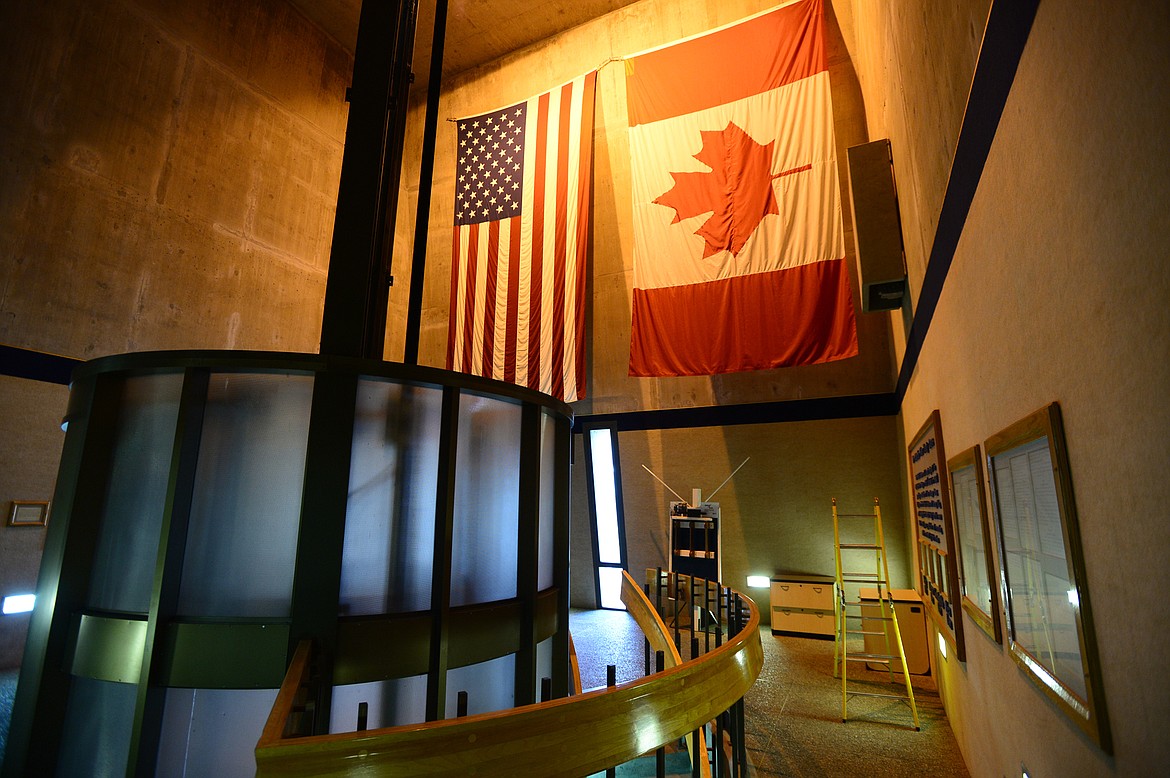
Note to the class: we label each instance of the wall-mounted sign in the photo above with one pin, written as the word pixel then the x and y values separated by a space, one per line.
pixel 938 569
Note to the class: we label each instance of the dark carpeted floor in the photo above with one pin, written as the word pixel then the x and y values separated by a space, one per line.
pixel 793 711
pixel 7 694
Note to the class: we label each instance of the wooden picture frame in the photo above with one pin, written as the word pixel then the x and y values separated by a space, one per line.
pixel 938 568
pixel 979 575
pixel 1048 616
pixel 29 513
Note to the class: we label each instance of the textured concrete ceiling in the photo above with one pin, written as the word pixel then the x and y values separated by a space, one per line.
pixel 478 31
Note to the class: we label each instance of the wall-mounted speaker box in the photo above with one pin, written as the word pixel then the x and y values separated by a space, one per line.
pixel 877 230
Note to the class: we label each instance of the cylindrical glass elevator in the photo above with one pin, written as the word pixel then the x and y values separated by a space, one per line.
pixel 214 509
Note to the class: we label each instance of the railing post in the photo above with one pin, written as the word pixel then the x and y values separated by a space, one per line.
pixel 698 749
pixel 363 716
pixel 545 689
pixel 707 610
pixel 717 748
pixel 658 591
pixel 610 682
pixel 660 754
pixel 461 705
pixel 674 593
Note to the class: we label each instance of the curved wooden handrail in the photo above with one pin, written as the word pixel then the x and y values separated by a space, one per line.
pixel 576 735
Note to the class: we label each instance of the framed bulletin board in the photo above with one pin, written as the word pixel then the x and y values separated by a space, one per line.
pixel 980 576
pixel 1046 600
pixel 938 568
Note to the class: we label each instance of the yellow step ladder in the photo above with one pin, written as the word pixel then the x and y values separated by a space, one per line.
pixel 857 621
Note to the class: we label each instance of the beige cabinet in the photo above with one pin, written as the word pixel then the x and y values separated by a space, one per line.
pixel 911 624
pixel 803 604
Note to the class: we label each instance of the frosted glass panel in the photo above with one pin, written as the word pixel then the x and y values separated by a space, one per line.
pixel 95 738
pixel 127 545
pixel 245 514
pixel 390 518
pixel 490 686
pixel 548 506
pixel 483 552
pixel 212 731
pixel 543 664
pixel 391 703
pixel 610 579
pixel 609 547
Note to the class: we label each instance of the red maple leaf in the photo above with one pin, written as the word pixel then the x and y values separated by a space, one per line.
pixel 737 192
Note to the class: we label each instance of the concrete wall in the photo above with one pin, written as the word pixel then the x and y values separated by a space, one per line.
pixel 169 179
pixel 30 427
pixel 1057 293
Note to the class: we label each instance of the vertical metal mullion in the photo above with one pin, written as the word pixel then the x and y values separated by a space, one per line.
pixel 441 571
pixel 168 568
pixel 527 552
pixel 34 736
pixel 619 502
pixel 563 453
pixel 321 539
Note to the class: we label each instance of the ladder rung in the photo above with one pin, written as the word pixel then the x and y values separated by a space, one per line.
pixel 855 516
pixel 875 694
pixel 872 657
pixel 864 576
pixel 869 546
pixel 879 633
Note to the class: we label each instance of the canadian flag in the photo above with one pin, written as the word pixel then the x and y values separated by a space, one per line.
pixel 739 252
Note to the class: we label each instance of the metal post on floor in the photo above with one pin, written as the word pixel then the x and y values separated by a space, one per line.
pixel 660 754
pixel 610 682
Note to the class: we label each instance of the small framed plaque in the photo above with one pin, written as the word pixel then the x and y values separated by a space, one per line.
pixel 28 513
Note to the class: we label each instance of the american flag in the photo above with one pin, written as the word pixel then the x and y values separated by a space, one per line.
pixel 521 226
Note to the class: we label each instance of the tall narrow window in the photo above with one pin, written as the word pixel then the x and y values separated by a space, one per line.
pixel 606 519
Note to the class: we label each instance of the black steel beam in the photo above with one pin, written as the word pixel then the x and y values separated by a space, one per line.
pixel 426 173
pixel 353 323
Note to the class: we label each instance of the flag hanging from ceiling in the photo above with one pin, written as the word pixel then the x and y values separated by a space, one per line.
pixel 521 226
pixel 739 253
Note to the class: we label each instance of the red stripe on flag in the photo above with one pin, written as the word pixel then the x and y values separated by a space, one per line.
pixel 560 248
pixel 536 291
pixel 796 316
pixel 469 308
pixel 513 301
pixel 491 276
pixel 453 313
pixel 585 179
pixel 758 55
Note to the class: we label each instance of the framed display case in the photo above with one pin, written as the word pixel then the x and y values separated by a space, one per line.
pixel 980 577
pixel 938 569
pixel 1046 599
